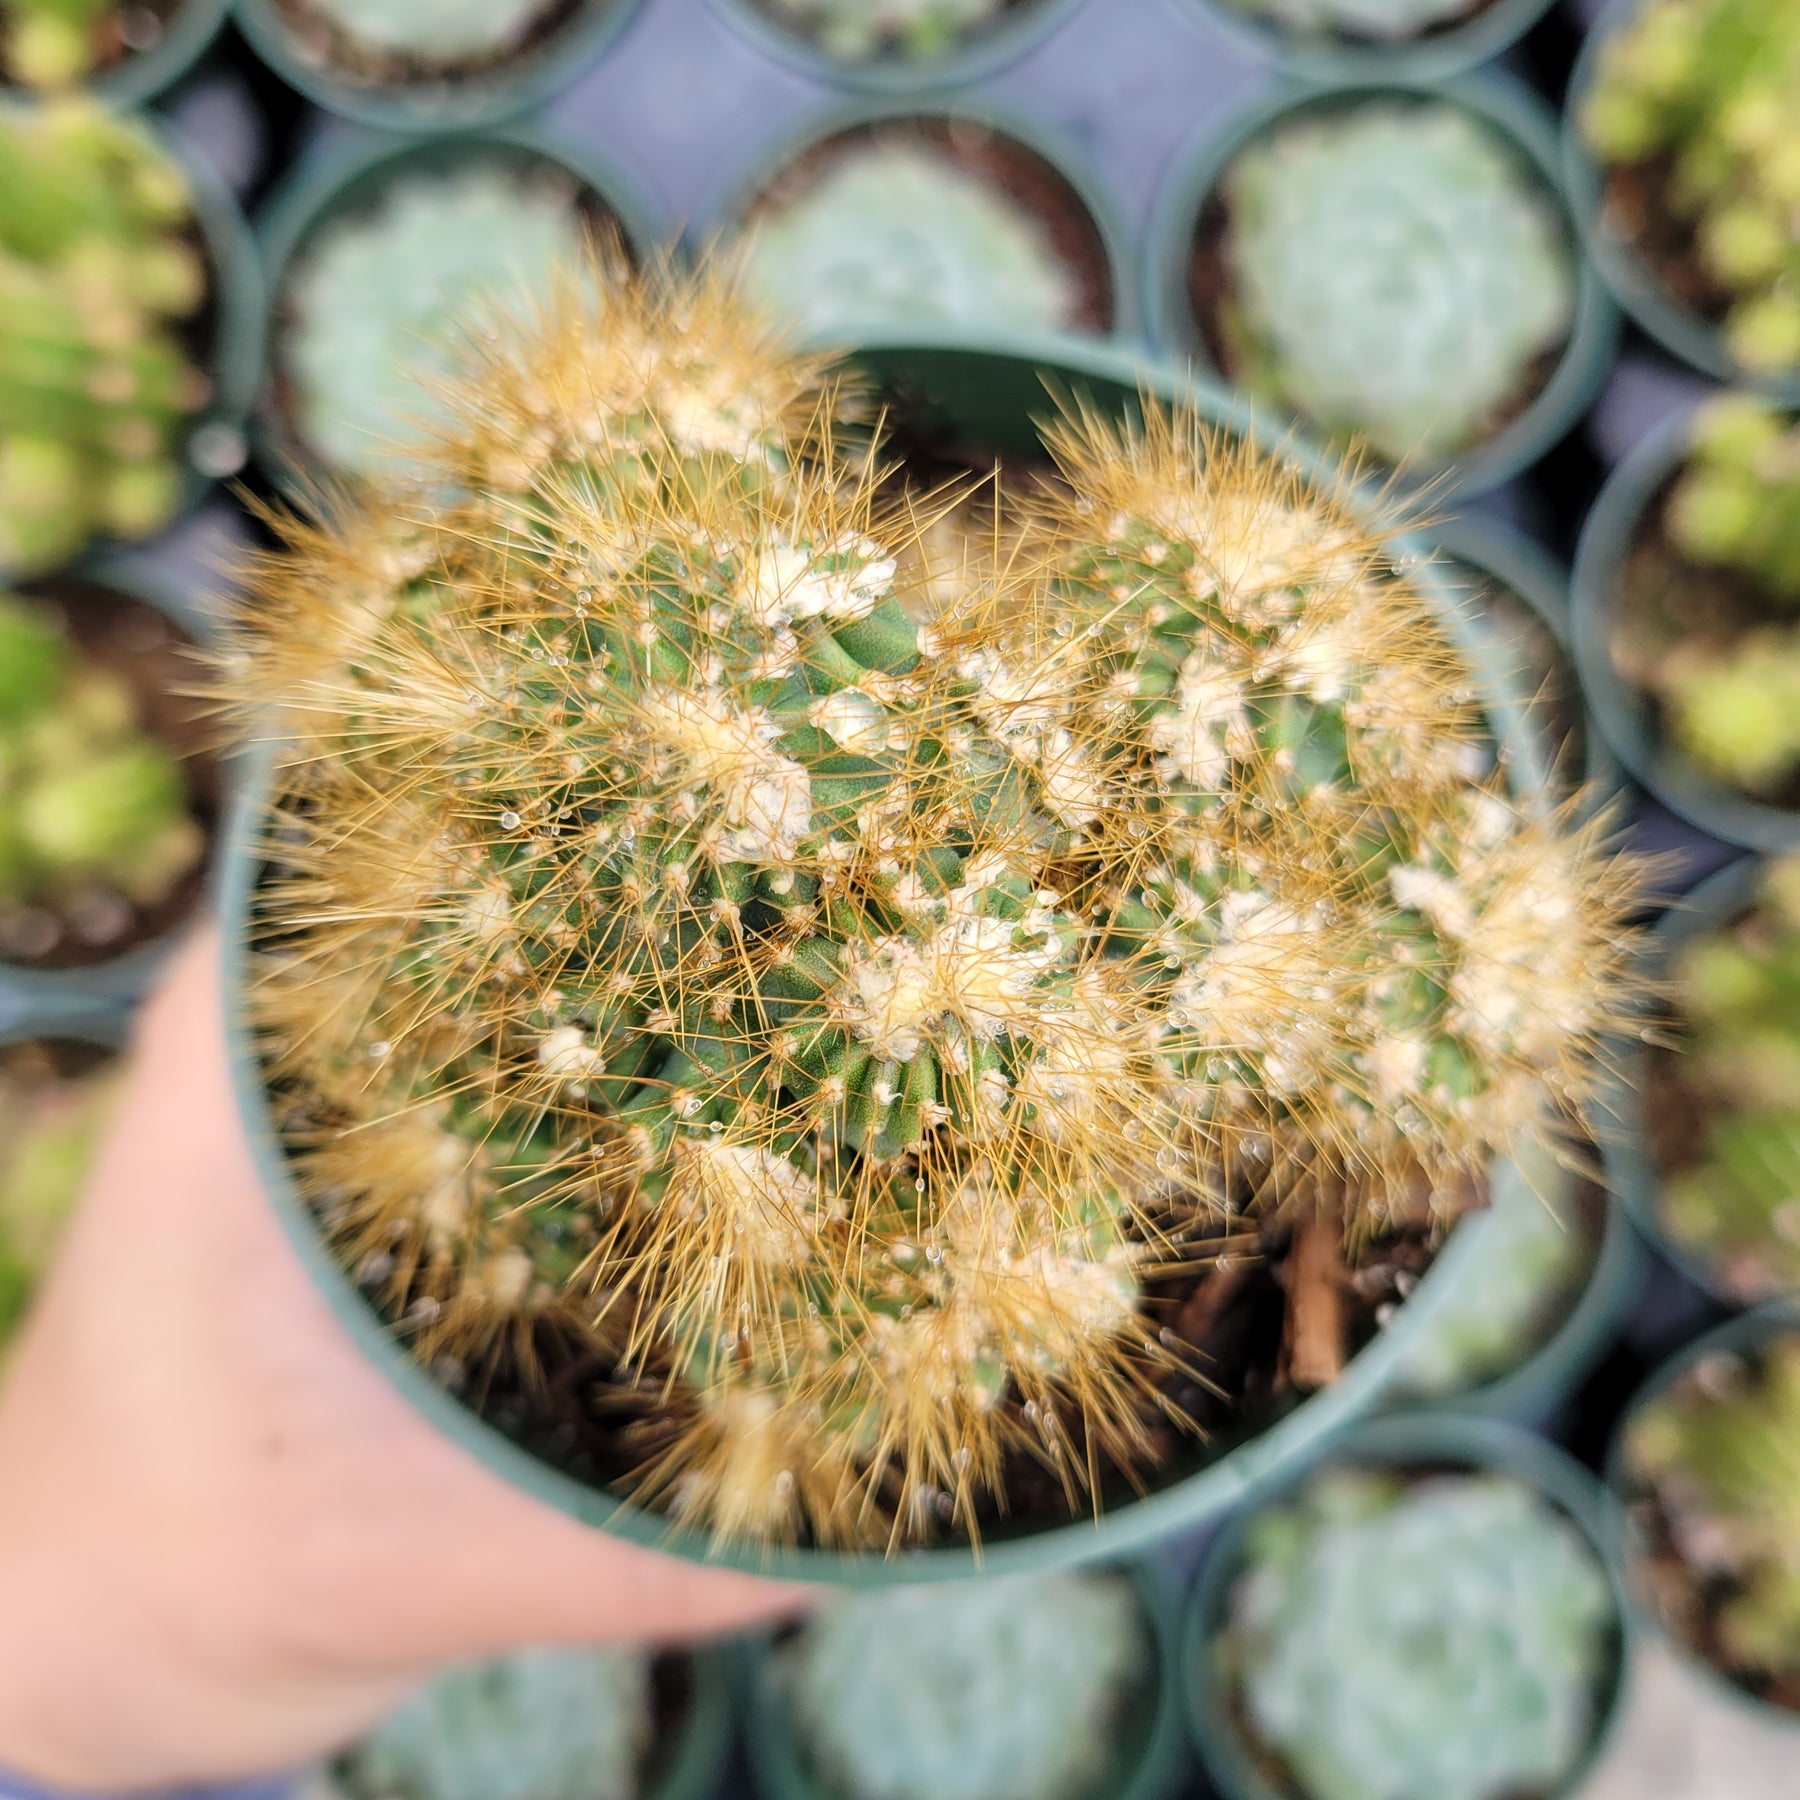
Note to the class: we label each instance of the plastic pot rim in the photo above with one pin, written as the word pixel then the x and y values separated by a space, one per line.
pixel 1401 1439
pixel 1054 149
pixel 1185 1500
pixel 1680 330
pixel 475 102
pixel 1529 128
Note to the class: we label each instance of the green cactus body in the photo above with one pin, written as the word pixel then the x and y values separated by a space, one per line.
pixel 1382 21
pixel 372 295
pixel 1397 274
pixel 444 33
pixel 1442 1639
pixel 97 274
pixel 1706 94
pixel 1722 1452
pixel 858 30
pixel 998 1690
pixel 895 235
pixel 537 1725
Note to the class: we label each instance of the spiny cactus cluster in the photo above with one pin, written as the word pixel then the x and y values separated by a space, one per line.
pixel 442 33
pixel 540 1724
pixel 373 296
pixel 835 1021
pixel 1398 272
pixel 1721 1450
pixel 1444 1639
pixel 1704 95
pixel 98 270
pixel 1736 989
pixel 94 816
pixel 1004 1689
pixel 1382 21
pixel 859 30
pixel 898 236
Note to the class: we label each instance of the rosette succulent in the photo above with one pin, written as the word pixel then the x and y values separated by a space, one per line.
pixel 673 954
pixel 1397 273
pixel 1439 1639
pixel 860 30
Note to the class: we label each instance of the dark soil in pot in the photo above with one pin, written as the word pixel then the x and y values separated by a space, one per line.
pixel 150 657
pixel 1636 211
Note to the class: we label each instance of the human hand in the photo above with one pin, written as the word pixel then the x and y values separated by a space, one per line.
pixel 227 1545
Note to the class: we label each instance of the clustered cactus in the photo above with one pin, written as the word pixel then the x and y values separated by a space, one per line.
pixel 859 30
pixel 1381 21
pixel 1003 1689
pixel 1397 274
pixel 1439 1639
pixel 900 236
pixel 1704 95
pixel 98 271
pixel 443 34
pixel 1739 1203
pixel 1721 1451
pixel 833 1022
pixel 372 297
pixel 94 814
pixel 540 1724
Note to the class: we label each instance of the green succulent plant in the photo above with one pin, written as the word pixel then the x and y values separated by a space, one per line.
pixel 1397 272
pixel 97 274
pixel 858 30
pixel 536 1725
pixel 443 33
pixel 899 236
pixel 1704 96
pixel 373 294
pixel 1004 1689
pixel 1384 21
pixel 1736 505
pixel 51 43
pixel 1721 1450
pixel 1437 1639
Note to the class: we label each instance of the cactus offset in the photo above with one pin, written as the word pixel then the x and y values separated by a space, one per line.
pixel 674 947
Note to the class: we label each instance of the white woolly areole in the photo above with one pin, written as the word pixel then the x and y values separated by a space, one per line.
pixel 1192 734
pixel 851 720
pixel 567 1052
pixel 763 1203
pixel 783 582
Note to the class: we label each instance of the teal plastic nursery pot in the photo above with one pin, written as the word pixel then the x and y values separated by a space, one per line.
pixel 1741 1336
pixel 1521 119
pixel 353 180
pixel 440 102
pixel 985 400
pixel 1147 1742
pixel 1683 332
pixel 105 984
pixel 1423 1441
pixel 183 39
pixel 1011 35
pixel 1622 712
pixel 1435 55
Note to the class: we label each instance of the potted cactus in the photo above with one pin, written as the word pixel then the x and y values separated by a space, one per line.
pixel 130 320
pixel 1687 594
pixel 897 44
pixel 1055 1686
pixel 1704 1463
pixel 1428 1615
pixel 430 65
pixel 1073 1012
pixel 1682 145
pixel 108 785
pixel 1421 39
pixel 550 1724
pixel 1393 264
pixel 904 223
pixel 374 252
pixel 126 51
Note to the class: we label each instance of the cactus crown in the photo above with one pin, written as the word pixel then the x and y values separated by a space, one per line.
pixel 675 946
pixel 1442 1640
pixel 1398 272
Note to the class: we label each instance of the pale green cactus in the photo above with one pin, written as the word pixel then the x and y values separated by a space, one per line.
pixel 1704 96
pixel 1381 21
pixel 1736 505
pixel 536 1725
pixel 1440 1639
pixel 372 296
pixel 51 44
pixel 443 33
pixel 858 30
pixel 1004 1689
pixel 893 236
pixel 1398 270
